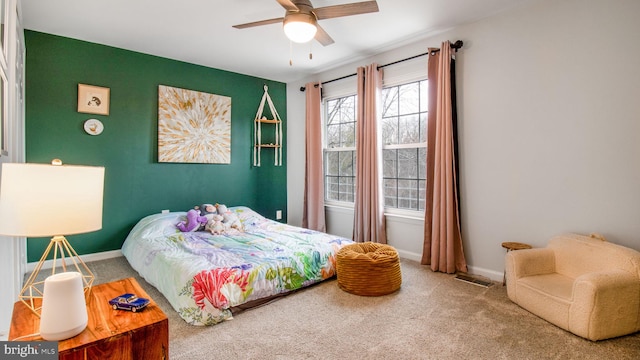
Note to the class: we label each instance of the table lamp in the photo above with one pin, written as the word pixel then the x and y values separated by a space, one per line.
pixel 41 200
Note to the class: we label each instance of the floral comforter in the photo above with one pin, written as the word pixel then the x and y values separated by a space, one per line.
pixel 204 275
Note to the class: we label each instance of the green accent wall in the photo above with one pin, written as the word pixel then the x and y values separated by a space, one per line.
pixel 136 185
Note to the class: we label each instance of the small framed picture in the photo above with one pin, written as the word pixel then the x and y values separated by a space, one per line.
pixel 93 99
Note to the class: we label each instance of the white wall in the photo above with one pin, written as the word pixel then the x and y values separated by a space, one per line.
pixel 549 116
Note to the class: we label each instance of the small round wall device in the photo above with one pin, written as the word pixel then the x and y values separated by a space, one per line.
pixel 93 127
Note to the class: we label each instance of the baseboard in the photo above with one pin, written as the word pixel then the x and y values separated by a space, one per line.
pixel 409 255
pixel 86 258
pixel 491 274
pixel 474 270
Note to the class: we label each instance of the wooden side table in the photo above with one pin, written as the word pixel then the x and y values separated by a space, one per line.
pixel 110 334
pixel 510 246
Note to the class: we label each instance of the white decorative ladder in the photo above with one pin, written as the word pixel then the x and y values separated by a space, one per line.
pixel 257 131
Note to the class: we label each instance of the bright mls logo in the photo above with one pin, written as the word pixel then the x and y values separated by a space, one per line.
pixel 40 350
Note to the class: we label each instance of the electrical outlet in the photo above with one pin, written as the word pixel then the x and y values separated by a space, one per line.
pixel 166 211
pixel 278 214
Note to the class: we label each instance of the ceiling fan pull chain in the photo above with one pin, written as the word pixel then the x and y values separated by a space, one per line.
pixel 310 50
pixel 290 53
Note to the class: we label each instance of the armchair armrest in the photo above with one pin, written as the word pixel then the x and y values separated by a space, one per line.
pixel 606 302
pixel 529 262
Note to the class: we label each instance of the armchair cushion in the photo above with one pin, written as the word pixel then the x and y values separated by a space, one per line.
pixel 587 286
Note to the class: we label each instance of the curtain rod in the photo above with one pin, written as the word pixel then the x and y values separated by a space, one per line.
pixel 457 45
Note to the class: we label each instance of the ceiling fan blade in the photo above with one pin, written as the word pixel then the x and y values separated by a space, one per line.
pixel 335 11
pixel 259 23
pixel 288 5
pixel 322 36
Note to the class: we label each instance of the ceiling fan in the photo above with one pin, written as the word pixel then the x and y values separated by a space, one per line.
pixel 300 21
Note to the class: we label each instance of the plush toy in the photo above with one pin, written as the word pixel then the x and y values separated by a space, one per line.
pixel 230 219
pixel 193 223
pixel 215 225
pixel 207 210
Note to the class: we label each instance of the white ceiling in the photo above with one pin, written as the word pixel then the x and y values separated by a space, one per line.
pixel 200 31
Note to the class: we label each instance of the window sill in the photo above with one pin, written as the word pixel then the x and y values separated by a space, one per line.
pixel 346 207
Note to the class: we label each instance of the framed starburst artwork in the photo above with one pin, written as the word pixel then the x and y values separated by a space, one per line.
pixel 193 127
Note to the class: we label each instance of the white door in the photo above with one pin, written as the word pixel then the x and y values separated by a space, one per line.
pixel 12 249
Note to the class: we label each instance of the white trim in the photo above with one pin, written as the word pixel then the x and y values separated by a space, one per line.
pixel 409 255
pixel 491 274
pixel 408 216
pixel 341 206
pixel 86 258
pixel 13 249
pixel 404 146
pixel 347 148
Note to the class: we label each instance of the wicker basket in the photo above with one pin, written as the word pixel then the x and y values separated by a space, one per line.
pixel 368 269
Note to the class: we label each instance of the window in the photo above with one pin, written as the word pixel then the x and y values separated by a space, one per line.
pixel 340 151
pixel 404 146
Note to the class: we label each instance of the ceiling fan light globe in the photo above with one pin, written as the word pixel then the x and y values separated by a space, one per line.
pixel 300 28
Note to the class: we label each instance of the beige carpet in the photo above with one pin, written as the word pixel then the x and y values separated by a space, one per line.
pixel 433 316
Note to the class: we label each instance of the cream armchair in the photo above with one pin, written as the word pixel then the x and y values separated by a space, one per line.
pixel 582 284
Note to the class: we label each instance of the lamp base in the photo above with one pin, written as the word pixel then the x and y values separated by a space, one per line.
pixel 64 307
pixel 63 334
pixel 33 290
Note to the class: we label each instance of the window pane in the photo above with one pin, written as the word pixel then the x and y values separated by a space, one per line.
pixel 390 102
pixel 422 163
pixel 346 189
pixel 423 127
pixel 408 163
pixel 333 136
pixel 331 184
pixel 390 192
pixel 340 110
pixel 332 163
pixel 409 98
pixel 424 96
pixel 346 163
pixel 409 129
pixel 390 131
pixel 331 117
pixel 422 193
pixel 390 163
pixel 348 131
pixel 349 109
pixel 408 194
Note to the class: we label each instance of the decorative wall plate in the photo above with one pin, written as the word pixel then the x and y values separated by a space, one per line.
pixel 93 127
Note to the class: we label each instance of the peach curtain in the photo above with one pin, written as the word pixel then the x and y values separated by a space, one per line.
pixel 442 238
pixel 313 208
pixel 369 222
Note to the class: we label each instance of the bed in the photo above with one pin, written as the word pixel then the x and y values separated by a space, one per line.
pixel 207 278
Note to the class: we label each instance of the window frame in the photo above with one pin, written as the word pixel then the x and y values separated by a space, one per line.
pixel 416 145
pixel 390 211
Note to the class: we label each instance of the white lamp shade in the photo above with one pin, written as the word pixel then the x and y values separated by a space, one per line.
pixel 40 200
pixel 300 28
pixel 64 310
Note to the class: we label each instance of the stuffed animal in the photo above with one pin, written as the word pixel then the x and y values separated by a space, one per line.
pixel 230 219
pixel 193 223
pixel 215 225
pixel 207 210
